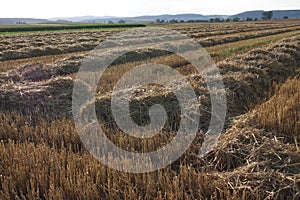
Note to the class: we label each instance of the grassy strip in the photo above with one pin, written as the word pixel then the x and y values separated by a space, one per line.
pixel 65 27
pixel 63 31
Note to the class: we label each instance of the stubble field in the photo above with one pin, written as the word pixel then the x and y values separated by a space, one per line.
pixel 257 155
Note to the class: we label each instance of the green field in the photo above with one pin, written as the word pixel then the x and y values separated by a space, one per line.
pixel 58 27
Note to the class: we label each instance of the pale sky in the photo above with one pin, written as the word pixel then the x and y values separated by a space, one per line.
pixel 128 8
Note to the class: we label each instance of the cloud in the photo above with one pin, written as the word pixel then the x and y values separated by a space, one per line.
pixel 54 8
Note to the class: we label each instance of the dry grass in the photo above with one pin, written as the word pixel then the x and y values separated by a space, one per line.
pixel 282 112
pixel 50 162
pixel 223 51
pixel 217 40
pixel 41 44
pixel 29 51
pixel 13 64
pixel 257 157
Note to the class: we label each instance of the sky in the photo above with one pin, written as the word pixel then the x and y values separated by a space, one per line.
pixel 130 8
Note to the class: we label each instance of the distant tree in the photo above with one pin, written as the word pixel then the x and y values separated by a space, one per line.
pixel 227 20
pixel 249 19
pixel 173 21
pixel 122 21
pixel 110 22
pixel 158 21
pixel 20 22
pixel 162 21
pixel 236 19
pixel 182 21
pixel 218 20
pixel 285 17
pixel 211 20
pixel 255 19
pixel 267 15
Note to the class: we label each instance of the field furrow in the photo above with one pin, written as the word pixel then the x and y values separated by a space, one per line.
pixel 257 155
pixel 23 46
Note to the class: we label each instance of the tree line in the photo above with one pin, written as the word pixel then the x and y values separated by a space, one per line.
pixel 267 15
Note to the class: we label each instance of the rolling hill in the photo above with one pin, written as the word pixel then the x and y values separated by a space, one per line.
pixel 10 21
pixel 277 14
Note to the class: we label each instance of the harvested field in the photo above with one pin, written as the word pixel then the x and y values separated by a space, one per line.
pixel 41 44
pixel 216 40
pixel 257 155
pixel 239 73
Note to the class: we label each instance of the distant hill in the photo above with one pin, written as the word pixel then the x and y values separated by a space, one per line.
pixel 10 21
pixel 79 18
pixel 251 14
pixel 153 18
pixel 277 14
